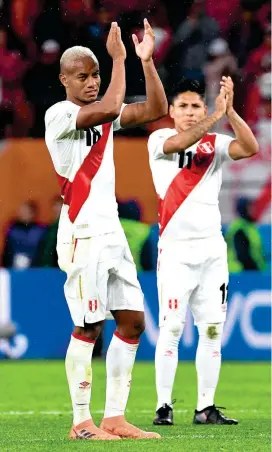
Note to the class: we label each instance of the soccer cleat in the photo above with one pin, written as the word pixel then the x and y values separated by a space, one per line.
pixel 164 415
pixel 118 425
pixel 88 431
pixel 212 415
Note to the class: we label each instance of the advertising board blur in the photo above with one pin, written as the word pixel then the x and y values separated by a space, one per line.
pixel 33 301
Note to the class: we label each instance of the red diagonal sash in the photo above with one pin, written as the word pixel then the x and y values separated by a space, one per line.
pixel 186 180
pixel 75 193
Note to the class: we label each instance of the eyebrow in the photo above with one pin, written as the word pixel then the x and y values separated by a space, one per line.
pixel 80 74
pixel 187 103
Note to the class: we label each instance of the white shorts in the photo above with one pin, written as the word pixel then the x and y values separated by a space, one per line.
pixel 101 277
pixel 193 273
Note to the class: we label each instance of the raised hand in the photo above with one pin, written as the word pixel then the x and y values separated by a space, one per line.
pixel 115 45
pixel 145 49
pixel 227 84
pixel 221 103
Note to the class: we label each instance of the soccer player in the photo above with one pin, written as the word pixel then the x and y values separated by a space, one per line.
pixel 92 249
pixel 186 164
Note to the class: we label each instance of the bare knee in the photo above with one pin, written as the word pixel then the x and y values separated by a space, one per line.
pixel 139 326
pixel 130 324
pixel 90 330
pixel 131 330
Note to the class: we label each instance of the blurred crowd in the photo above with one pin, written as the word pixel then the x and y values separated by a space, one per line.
pixel 30 244
pixel 201 39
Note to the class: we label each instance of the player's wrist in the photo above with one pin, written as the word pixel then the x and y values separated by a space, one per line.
pixel 119 59
pixel 230 111
pixel 147 60
pixel 217 114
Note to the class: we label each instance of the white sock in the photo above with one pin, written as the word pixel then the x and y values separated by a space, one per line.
pixel 208 362
pixel 119 362
pixel 78 365
pixel 166 361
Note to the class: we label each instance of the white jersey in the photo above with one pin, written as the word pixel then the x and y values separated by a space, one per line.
pixel 83 161
pixel 188 185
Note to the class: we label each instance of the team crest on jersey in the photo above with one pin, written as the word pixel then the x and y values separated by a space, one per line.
pixel 206 147
pixel 93 304
pixel 173 304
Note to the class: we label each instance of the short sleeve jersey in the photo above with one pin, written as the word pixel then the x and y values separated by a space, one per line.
pixel 188 185
pixel 83 161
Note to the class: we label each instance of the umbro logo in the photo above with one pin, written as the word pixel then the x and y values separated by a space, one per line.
pixel 84 384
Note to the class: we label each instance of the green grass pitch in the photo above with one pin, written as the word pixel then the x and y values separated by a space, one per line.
pixel 35 412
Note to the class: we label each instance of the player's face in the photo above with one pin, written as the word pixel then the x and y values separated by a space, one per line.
pixel 82 81
pixel 187 110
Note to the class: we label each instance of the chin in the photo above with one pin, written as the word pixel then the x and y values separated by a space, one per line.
pixel 185 127
pixel 89 99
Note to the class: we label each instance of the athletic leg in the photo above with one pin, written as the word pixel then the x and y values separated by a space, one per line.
pixel 176 282
pixel 87 308
pixel 126 305
pixel 209 309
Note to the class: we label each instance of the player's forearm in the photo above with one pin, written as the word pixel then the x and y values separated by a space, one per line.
pixel 243 133
pixel 156 105
pixel 109 108
pixel 114 97
pixel 184 140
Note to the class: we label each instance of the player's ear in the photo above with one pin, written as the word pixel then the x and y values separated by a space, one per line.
pixel 63 80
pixel 206 110
pixel 171 111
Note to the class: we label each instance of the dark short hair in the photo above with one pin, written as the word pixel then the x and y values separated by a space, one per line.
pixel 187 84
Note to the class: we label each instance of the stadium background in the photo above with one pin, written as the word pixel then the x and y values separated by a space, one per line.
pixel 201 39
